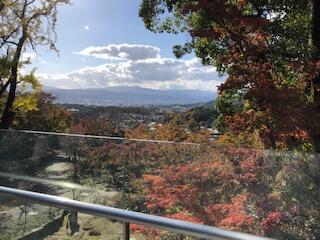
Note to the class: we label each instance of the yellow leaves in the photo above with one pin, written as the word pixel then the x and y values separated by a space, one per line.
pixel 25 103
pixel 27 96
pixel 30 80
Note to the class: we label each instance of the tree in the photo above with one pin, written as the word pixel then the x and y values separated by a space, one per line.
pixel 45 116
pixel 102 126
pixel 25 23
pixel 269 51
pixel 274 194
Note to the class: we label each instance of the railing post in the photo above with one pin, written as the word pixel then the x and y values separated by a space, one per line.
pixel 124 166
pixel 126 231
pixel 25 217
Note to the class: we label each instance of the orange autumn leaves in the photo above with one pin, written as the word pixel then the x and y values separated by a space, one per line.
pixel 234 189
pixel 248 47
pixel 205 191
pixel 180 185
pixel 232 216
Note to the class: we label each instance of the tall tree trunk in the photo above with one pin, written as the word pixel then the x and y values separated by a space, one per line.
pixel 316 27
pixel 4 88
pixel 315 30
pixel 315 35
pixel 8 113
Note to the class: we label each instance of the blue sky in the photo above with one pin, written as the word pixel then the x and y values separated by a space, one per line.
pixel 91 32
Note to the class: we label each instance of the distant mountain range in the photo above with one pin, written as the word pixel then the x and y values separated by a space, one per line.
pixel 129 96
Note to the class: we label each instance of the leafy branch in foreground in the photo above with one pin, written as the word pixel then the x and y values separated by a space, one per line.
pixel 24 24
pixel 270 52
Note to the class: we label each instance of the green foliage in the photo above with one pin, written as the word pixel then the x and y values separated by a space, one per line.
pixel 265 48
pixel 24 24
pixel 42 114
pixel 4 68
pixel 26 96
pixel 227 104
pixel 30 80
pixel 36 18
pixel 197 117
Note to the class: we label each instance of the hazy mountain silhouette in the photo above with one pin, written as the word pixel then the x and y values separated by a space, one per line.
pixel 129 96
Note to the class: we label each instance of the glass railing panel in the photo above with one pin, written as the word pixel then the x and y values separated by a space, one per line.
pixel 148 233
pixel 146 159
pixel 262 192
pixel 88 169
pixel 21 220
pixel 68 166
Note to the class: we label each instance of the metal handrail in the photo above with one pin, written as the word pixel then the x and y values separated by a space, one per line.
pixel 62 134
pixel 127 217
pixel 96 137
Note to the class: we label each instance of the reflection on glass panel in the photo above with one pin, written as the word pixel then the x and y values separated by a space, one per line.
pixel 145 233
pixel 262 192
pixel 34 221
pixel 87 169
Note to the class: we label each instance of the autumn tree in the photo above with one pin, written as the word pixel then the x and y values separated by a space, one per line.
pixel 262 192
pixel 267 49
pixel 24 24
pixel 45 116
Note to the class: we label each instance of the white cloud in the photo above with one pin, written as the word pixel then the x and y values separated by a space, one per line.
pixel 33 58
pixel 28 56
pixel 86 27
pixel 157 73
pixel 137 65
pixel 122 52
